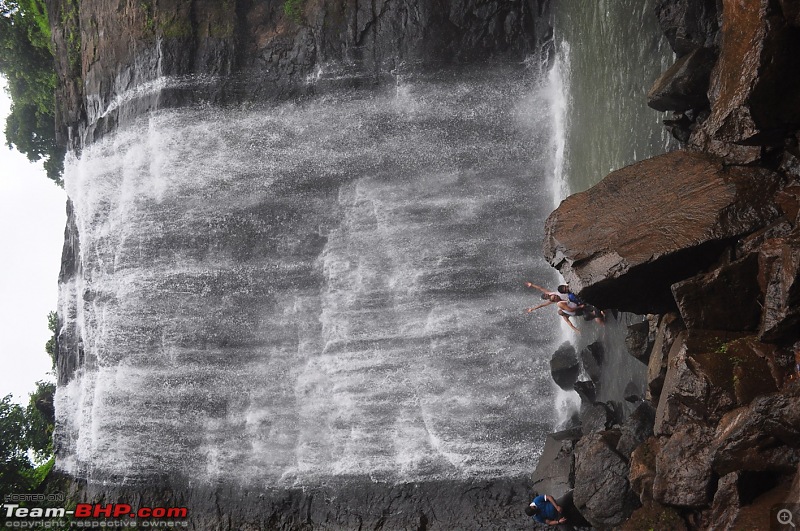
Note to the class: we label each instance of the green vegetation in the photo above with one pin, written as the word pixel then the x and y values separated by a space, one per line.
pixel 294 10
pixel 26 60
pixel 26 448
pixel 50 346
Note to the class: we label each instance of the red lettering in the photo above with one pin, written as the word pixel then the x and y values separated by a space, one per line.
pixel 83 510
pixel 177 512
pixel 144 512
pixel 102 510
pixel 121 509
pixel 159 512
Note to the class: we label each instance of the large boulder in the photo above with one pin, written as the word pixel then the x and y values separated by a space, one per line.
pixel 602 492
pixel 697 386
pixel 669 326
pixel 555 471
pixel 779 278
pixel 654 516
pixel 641 337
pixel 565 367
pixel 625 241
pixel 636 429
pixel 643 469
pixel 596 417
pixel 764 435
pixel 728 298
pixel 592 357
pixel 688 24
pixel 757 66
pixel 683 86
pixel 683 467
pixel 747 500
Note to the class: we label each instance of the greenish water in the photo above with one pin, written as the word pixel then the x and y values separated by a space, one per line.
pixel 608 55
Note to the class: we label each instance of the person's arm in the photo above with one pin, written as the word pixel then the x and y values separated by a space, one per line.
pixel 532 285
pixel 566 318
pixel 552 500
pixel 529 310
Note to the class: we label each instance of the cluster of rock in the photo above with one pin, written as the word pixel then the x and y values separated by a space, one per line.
pixel 705 239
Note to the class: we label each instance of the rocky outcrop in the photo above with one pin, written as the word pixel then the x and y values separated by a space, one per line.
pixel 706 237
pixel 757 66
pixel 733 288
pixel 625 241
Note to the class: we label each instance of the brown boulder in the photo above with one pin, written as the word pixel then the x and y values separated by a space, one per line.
pixel 625 241
pixel 641 337
pixel 696 386
pixel 743 367
pixel 758 65
pixel 788 200
pixel 555 470
pixel 683 467
pixel 728 298
pixel 688 24
pixel 744 500
pixel 683 86
pixel 779 278
pixel 602 493
pixel 762 436
pixel 669 326
pixel 643 469
pixel 654 516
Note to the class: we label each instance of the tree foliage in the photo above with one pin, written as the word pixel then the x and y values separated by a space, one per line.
pixel 50 346
pixel 26 60
pixel 27 432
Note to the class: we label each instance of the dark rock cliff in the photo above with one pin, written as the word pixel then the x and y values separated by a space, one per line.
pixel 117 59
pixel 708 237
pixel 174 51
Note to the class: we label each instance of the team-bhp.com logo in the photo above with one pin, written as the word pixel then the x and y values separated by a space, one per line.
pixel 88 515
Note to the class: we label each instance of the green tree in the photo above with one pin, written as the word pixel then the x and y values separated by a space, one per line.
pixel 15 467
pixel 27 432
pixel 26 61
pixel 50 346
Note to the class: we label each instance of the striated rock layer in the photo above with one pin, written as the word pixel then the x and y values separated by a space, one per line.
pixel 169 52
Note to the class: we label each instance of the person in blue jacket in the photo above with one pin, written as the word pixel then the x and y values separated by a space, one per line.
pixel 545 509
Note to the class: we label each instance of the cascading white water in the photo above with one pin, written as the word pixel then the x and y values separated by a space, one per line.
pixel 330 288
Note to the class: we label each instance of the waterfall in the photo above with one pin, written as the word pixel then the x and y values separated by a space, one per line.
pixel 326 288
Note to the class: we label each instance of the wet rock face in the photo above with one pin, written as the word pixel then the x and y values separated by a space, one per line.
pixel 625 241
pixel 779 278
pixel 688 24
pixel 758 66
pixel 229 51
pixel 683 468
pixel 762 436
pixel 684 85
pixel 602 492
pixel 735 293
